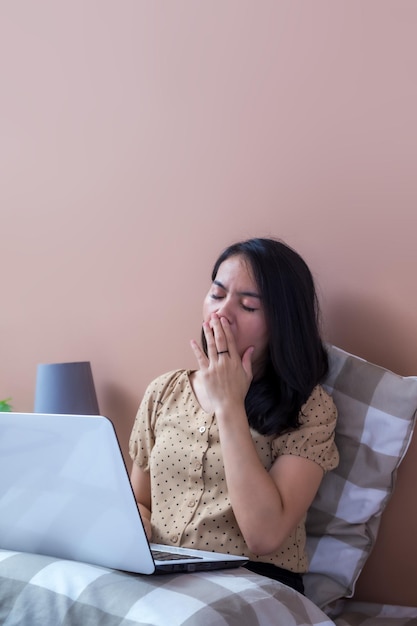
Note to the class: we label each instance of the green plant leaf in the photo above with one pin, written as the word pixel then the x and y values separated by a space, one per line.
pixel 5 405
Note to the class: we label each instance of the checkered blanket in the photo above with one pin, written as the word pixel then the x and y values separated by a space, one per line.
pixel 44 591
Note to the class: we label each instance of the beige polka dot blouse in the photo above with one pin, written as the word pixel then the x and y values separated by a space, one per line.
pixel 178 443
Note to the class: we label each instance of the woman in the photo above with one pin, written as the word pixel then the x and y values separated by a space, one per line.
pixel 230 456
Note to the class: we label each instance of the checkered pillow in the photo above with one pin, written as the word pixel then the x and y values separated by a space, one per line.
pixel 377 410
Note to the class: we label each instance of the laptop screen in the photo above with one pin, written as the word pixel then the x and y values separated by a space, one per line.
pixel 65 491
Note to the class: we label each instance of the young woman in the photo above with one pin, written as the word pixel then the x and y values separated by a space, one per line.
pixel 230 456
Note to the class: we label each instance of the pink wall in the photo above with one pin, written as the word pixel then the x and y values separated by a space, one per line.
pixel 137 139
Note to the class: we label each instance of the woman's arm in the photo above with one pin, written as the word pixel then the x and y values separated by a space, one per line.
pixel 141 485
pixel 267 505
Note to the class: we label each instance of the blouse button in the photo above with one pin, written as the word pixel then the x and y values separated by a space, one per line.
pixel 191 503
pixel 202 429
pixel 174 539
pixel 198 465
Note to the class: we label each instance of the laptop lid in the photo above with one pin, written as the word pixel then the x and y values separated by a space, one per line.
pixel 65 492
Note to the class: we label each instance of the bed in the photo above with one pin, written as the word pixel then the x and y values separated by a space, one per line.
pixel 38 590
pixel 43 591
pixel 377 411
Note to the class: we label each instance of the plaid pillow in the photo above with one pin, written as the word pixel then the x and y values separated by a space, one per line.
pixel 377 410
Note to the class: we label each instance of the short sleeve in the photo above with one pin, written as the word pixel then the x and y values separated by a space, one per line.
pixel 142 438
pixel 314 439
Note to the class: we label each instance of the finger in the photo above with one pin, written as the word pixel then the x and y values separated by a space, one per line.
pixel 247 362
pixel 219 336
pixel 230 340
pixel 210 341
pixel 202 360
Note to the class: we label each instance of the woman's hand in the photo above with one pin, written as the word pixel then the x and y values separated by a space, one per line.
pixel 225 375
pixel 145 515
pixel 141 485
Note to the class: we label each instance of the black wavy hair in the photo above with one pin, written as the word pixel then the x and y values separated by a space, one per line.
pixel 297 359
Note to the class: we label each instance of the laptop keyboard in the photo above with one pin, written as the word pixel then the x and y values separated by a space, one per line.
pixel 159 555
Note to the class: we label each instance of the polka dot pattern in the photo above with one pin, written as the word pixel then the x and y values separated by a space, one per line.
pixel 178 443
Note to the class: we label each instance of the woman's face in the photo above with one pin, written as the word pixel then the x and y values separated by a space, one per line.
pixel 234 295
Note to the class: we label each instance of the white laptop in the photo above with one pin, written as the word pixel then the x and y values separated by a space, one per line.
pixel 65 492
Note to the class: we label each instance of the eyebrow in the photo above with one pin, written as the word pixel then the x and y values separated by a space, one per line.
pixel 250 294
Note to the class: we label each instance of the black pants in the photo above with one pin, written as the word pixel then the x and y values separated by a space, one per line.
pixel 291 579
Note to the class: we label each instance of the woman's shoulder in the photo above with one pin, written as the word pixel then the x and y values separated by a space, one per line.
pixel 314 439
pixel 319 405
pixel 168 383
pixel 172 375
pixel 168 379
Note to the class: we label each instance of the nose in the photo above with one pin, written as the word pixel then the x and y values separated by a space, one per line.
pixel 225 309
